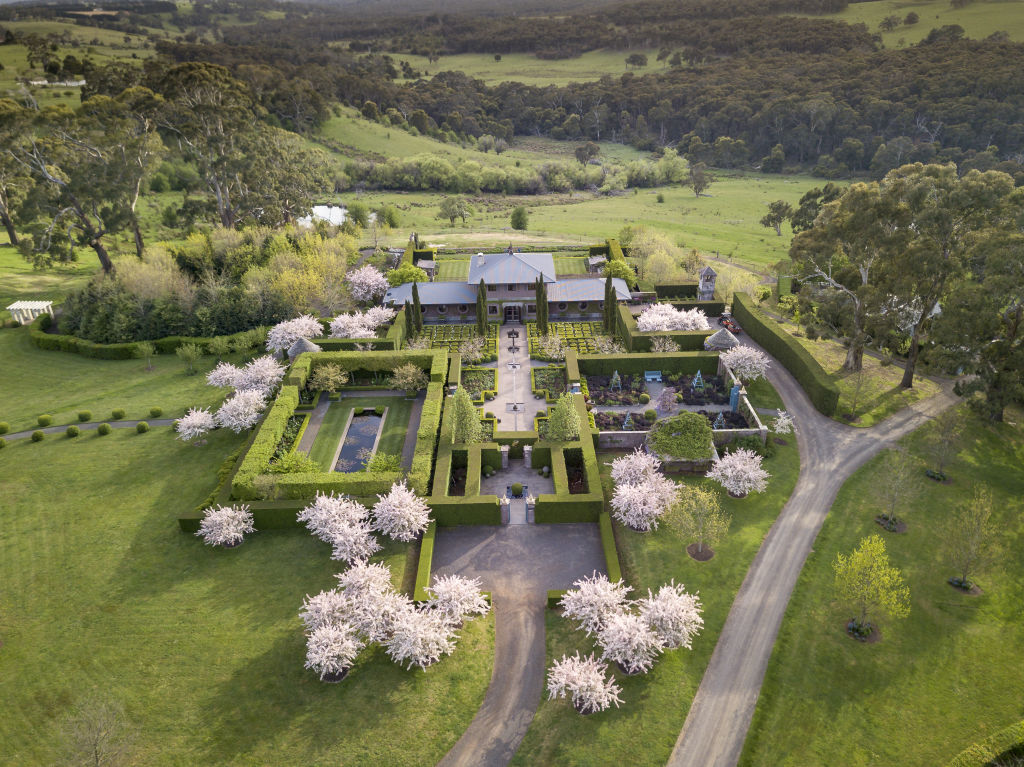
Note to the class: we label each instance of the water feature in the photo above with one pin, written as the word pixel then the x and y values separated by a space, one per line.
pixel 332 214
pixel 357 449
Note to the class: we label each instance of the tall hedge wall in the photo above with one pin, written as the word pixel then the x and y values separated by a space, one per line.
pixel 677 290
pixel 425 564
pixel 1009 740
pixel 611 553
pixel 635 364
pixel 614 252
pixel 818 384
pixel 710 308
pixel 635 341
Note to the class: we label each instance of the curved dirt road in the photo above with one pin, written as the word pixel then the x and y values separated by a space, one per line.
pixel 722 710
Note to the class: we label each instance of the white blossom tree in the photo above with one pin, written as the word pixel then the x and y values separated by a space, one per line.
pixel 673 615
pixel 608 345
pixel 225 375
pixel 328 608
pixel 241 410
pixel 353 541
pixel 472 349
pixel 367 284
pixel 361 324
pixel 640 505
pixel 225 525
pixel 628 640
pixel 665 317
pixel 331 650
pixel 455 598
pixel 419 638
pixel 783 423
pixel 746 363
pixel 664 345
pixel 592 600
pixel 740 473
pixel 195 424
pixel 261 374
pixel 365 578
pixel 372 605
pixel 634 467
pixel 328 511
pixel 284 334
pixel 401 514
pixel 583 681
pixel 551 347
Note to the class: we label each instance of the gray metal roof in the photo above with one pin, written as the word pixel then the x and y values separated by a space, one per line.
pixel 302 345
pixel 586 290
pixel 723 339
pixel 510 268
pixel 432 293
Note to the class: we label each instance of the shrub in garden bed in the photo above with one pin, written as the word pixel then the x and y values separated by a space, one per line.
pixel 686 436
pixel 141 427
pixel 715 391
pixel 602 393
pixel 4 427
pixel 117 414
pixel 45 420
pixel 551 378
pixel 156 412
pixel 477 380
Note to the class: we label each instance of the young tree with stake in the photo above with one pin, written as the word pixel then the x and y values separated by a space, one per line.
pixel 970 538
pixel 868 584
pixel 699 517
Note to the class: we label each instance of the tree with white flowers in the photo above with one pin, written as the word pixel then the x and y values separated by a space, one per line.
pixel 331 649
pixel 626 639
pixel 284 334
pixel 783 423
pixel 583 681
pixel 224 375
pixel 640 505
pixel 225 525
pixel 665 317
pixel 634 467
pixel 401 514
pixel 241 410
pixel 328 511
pixel 372 604
pixel 664 345
pixel 261 374
pixel 361 324
pixel 367 284
pixel 740 473
pixel 455 598
pixel 365 578
pixel 746 363
pixel 673 615
pixel 195 424
pixel 551 347
pixel 353 541
pixel 592 600
pixel 328 608
pixel 419 638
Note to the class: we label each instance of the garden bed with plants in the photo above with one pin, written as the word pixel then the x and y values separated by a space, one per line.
pixel 451 337
pixel 575 472
pixel 476 381
pixel 603 390
pixel 291 434
pixel 576 335
pixel 714 392
pixel 606 421
pixel 550 379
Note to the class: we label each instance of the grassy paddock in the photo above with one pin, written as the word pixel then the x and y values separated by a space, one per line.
pixel 202 646
pixel 948 675
pixel 20 282
pixel 644 729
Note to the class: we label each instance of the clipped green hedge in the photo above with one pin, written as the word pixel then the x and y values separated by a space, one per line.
pixel 350 344
pixel 635 341
pixel 554 597
pixel 611 553
pixel 396 333
pixel 636 364
pixel 268 434
pixel 1008 741
pixel 454 369
pixel 677 290
pixel 426 439
pixel 449 511
pixel 572 366
pixel 419 593
pixel 710 308
pixel 819 385
pixel 785 286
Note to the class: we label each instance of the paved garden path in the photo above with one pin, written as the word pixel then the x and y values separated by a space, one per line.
pixel 517 564
pixel 830 452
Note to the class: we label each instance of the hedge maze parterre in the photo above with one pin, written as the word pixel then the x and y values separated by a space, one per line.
pixel 578 336
pixel 451 337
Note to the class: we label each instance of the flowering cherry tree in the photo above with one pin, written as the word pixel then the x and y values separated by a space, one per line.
pixel 367 284
pixel 665 317
pixel 419 638
pixel 225 525
pixel 640 505
pixel 783 423
pixel 745 362
pixel 401 514
pixel 629 641
pixel 365 578
pixel 740 472
pixel 242 410
pixel 455 598
pixel 664 345
pixel 331 649
pixel 673 615
pixel 327 512
pixel 224 375
pixel 361 324
pixel 284 334
pixel 353 541
pixel 328 608
pixel 261 374
pixel 634 467
pixel 195 424
pixel 583 681
pixel 593 600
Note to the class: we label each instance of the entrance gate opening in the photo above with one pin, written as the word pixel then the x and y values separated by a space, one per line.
pixel 513 314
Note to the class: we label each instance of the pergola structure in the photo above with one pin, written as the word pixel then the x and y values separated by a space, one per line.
pixel 26 311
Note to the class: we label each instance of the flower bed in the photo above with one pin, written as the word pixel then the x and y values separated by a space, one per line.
pixel 577 335
pixel 601 392
pixel 715 390
pixel 450 337
pixel 478 380
pixel 550 379
pixel 291 433
pixel 606 421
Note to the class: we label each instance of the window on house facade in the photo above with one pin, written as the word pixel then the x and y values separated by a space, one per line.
pixel 583 305
pixel 512 287
pixel 442 309
pixel 531 309
pixel 562 306
pixel 463 308
pixel 492 288
pixel 492 309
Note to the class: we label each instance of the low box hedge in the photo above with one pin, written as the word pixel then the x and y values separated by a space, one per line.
pixel 449 511
pixel 636 364
pixel 554 597
pixel 426 561
pixel 819 385
pixel 677 290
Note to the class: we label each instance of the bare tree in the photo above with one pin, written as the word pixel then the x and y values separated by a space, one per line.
pixel 943 444
pixel 970 538
pixel 97 733
pixel 897 485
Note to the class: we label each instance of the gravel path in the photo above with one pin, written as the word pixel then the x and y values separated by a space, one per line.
pixel 830 452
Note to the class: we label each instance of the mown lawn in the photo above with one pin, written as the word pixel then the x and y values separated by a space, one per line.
pixel 61 384
pixel 948 675
pixel 644 730
pixel 396 425
pixel 763 394
pixel 104 598
pixel 20 282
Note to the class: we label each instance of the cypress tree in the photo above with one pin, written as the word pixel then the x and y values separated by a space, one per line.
pixel 544 303
pixel 481 309
pixel 417 312
pixel 409 329
pixel 609 305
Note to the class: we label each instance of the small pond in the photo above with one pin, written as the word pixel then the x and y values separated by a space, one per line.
pixel 357 449
pixel 332 214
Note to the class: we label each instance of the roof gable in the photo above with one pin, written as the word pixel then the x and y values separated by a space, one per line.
pixel 510 268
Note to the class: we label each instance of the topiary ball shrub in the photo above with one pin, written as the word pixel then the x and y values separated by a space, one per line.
pixel 38 436
pixel 3 443
pixel 645 398
pixel 686 436
pixel 141 427
pixel 517 489
pixel 156 412
pixel 84 415
pixel 651 415
pixel 488 414
pixel 118 414
pixel 103 429
pixel 45 420
pixel 72 431
pixel 4 427
pixel 679 396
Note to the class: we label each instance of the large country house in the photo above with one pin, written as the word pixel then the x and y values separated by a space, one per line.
pixel 511 293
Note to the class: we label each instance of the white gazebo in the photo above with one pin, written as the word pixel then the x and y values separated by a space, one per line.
pixel 26 311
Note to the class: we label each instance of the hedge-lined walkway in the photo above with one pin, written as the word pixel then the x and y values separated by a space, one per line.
pixel 830 452
pixel 91 426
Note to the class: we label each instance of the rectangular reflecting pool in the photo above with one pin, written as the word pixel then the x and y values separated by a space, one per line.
pixel 357 449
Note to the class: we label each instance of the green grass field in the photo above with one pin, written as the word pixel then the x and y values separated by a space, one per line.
pixel 948 675
pixel 396 425
pixel 979 19
pixel 20 282
pixel 644 729
pixel 61 384
pixel 103 597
